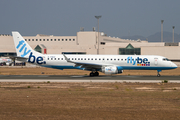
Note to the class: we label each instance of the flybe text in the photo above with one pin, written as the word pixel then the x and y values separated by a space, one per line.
pixel 33 59
pixel 140 61
pixel 22 47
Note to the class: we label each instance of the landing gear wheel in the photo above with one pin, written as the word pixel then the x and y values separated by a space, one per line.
pixel 158 75
pixel 91 74
pixel 96 74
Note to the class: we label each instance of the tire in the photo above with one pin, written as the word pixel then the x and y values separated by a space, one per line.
pixel 91 74
pixel 158 75
pixel 96 74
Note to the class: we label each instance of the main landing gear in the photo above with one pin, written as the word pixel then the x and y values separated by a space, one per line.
pixel 158 75
pixel 94 74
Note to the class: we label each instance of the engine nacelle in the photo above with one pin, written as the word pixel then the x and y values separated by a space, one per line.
pixel 111 70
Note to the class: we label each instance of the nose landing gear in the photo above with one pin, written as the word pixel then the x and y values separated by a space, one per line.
pixel 158 75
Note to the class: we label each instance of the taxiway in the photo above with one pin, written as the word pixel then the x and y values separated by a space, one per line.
pixel 104 78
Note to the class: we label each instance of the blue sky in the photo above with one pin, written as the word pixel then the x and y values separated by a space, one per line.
pixel 65 17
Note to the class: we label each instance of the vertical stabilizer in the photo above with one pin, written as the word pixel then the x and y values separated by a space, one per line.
pixel 22 47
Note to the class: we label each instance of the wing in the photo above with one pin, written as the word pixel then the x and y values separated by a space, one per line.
pixel 85 65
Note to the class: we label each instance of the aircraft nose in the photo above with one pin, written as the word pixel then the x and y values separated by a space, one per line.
pixel 173 65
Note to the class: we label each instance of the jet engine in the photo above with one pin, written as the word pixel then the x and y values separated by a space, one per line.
pixel 111 70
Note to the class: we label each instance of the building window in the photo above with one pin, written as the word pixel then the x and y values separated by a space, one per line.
pixel 38 49
pixel 32 39
pixel 36 39
pixel 58 39
pixel 66 39
pixel 69 39
pixel 73 53
pixel 47 39
pixel 39 39
pixel 43 39
pixel 73 39
pixel 54 39
pixel 129 50
pixel 25 39
pixel 29 39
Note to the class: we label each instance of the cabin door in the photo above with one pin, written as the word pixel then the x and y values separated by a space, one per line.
pixel 155 61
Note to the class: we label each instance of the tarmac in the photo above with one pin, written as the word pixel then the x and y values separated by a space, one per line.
pixel 103 78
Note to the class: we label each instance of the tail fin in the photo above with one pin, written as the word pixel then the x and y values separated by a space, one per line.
pixel 22 47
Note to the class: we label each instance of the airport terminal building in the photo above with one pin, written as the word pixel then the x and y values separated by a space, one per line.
pixel 86 42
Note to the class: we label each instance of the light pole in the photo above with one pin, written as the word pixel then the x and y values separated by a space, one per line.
pixel 162 30
pixel 173 33
pixel 97 17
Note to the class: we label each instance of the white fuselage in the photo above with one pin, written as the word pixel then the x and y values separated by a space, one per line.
pixel 141 62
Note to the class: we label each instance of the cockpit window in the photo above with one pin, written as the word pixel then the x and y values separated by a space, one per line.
pixel 165 59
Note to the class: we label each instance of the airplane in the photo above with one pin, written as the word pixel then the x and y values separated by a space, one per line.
pixel 108 64
pixel 5 61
